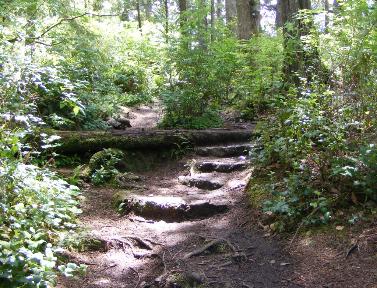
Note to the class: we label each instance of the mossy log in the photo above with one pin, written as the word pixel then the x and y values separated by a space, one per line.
pixel 76 142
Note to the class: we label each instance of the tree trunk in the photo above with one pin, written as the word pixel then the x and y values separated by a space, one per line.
pixel 212 20
pixel 203 27
pixel 182 6
pixel 219 7
pixel 230 10
pixel 244 19
pixel 148 9
pixel 298 62
pixel 138 15
pixel 278 16
pixel 255 16
pixel 327 10
pixel 166 4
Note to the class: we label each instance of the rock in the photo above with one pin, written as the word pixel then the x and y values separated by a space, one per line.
pixel 124 121
pixel 200 182
pixel 184 280
pixel 223 167
pixel 225 151
pixel 119 123
pixel 170 209
pixel 127 180
pixel 114 123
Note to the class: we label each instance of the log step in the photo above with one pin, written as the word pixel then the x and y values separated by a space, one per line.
pixel 170 209
pixel 225 151
pixel 222 167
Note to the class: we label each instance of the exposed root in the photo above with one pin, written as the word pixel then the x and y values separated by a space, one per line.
pixel 213 245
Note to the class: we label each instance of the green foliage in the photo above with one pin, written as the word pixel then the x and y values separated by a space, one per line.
pixel 104 165
pixel 37 210
pixel 319 133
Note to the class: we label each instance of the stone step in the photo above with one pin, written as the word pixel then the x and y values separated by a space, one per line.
pixel 221 166
pixel 170 209
pixel 225 151
pixel 201 182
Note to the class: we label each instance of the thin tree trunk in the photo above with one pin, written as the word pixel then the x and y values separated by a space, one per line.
pixel 148 9
pixel 212 20
pixel 327 10
pixel 203 27
pixel 219 6
pixel 182 6
pixel 139 15
pixel 255 16
pixel 166 4
pixel 278 16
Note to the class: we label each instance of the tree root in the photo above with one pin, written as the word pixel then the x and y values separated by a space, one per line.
pixel 213 245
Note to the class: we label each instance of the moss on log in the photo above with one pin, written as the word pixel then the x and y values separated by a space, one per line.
pixel 76 142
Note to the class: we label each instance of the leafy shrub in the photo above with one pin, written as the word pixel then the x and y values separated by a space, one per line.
pixel 37 210
pixel 104 165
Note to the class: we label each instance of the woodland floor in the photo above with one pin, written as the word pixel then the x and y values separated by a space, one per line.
pixel 248 255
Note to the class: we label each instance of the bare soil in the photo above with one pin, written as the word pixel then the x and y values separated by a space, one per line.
pixel 257 261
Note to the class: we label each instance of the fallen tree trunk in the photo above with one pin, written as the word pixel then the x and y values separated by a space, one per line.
pixel 76 142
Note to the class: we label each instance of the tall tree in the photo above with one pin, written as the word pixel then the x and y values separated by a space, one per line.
pixel 248 17
pixel 148 9
pixel 182 6
pixel 230 10
pixel 166 9
pixel 327 10
pixel 255 16
pixel 298 62
pixel 244 21
pixel 212 20
pixel 139 21
pixel 219 9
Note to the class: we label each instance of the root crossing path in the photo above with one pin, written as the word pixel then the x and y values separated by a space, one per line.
pixel 186 224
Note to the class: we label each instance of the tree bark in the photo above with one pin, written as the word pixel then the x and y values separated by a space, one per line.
pixel 248 18
pixel 278 17
pixel 219 7
pixel 139 15
pixel 327 10
pixel 212 20
pixel 148 9
pixel 255 16
pixel 298 62
pixel 182 6
pixel 244 19
pixel 166 4
pixel 230 10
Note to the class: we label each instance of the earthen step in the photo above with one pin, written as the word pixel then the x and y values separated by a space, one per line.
pixel 222 167
pixel 170 209
pixel 225 151
pixel 201 182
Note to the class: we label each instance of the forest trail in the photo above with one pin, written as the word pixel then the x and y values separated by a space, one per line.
pixel 187 225
pixel 188 221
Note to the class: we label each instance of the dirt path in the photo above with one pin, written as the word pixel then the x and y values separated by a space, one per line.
pixel 187 223
pixel 200 209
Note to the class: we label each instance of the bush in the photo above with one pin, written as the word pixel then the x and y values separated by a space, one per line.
pixel 104 165
pixel 37 210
